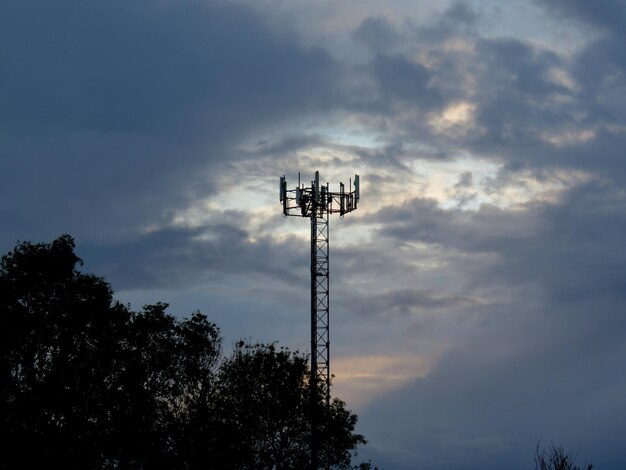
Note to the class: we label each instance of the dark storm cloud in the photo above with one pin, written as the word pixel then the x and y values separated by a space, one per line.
pixel 389 156
pixel 570 249
pixel 516 86
pixel 378 34
pixel 608 15
pixel 540 365
pixel 114 112
pixel 532 107
pixel 538 360
pixel 465 180
pixel 424 221
pixel 520 123
pixel 289 145
pixel 458 20
pixel 527 99
pixel 149 67
pixel 517 99
pixel 179 257
pixel 461 13
pixel 407 302
pixel 524 109
pixel 463 191
pixel 488 403
pixel 576 254
pixel 402 80
pixel 188 257
pixel 600 69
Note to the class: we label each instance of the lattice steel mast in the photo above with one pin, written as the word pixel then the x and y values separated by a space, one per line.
pixel 317 203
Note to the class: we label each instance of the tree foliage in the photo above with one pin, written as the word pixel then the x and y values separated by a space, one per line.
pixel 264 408
pixel 555 458
pixel 87 383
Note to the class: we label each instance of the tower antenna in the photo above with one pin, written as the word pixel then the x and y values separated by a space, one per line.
pixel 317 203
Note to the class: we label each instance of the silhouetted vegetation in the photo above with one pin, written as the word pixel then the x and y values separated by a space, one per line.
pixel 555 458
pixel 87 383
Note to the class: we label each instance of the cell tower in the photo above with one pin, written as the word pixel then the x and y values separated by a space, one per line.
pixel 317 203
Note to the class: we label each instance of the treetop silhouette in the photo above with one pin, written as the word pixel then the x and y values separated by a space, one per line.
pixel 85 382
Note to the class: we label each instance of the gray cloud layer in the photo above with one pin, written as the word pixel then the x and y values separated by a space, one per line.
pixel 130 106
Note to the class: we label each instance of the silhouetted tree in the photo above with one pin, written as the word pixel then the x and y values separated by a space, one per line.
pixel 263 405
pixel 87 383
pixel 365 466
pixel 555 458
pixel 58 345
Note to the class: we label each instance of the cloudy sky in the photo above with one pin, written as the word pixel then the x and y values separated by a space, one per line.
pixel 478 294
